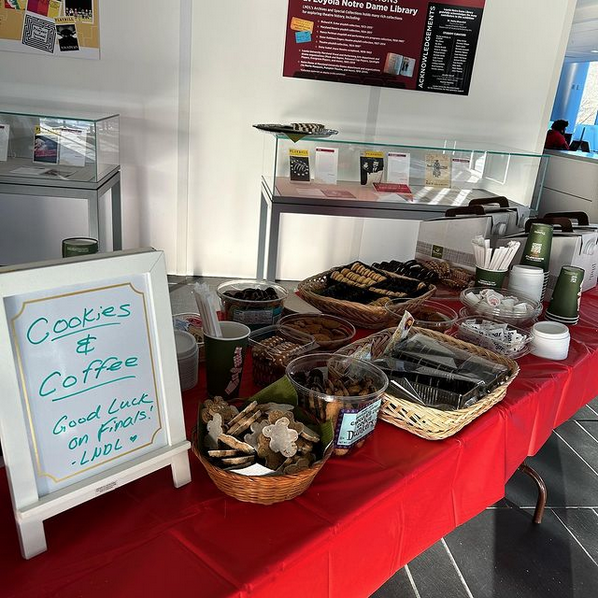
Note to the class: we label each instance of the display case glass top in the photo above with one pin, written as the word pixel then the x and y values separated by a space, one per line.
pixel 57 146
pixel 419 171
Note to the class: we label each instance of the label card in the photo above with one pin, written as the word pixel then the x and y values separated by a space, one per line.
pixel 326 165
pixel 355 424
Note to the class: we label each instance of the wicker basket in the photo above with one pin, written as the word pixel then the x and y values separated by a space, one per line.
pixel 428 422
pixel 362 316
pixel 262 490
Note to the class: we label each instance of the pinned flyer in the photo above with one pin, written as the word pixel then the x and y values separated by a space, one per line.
pixel 302 25
pixel 326 165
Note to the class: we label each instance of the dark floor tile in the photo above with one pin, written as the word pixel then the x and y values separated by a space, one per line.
pixel 586 413
pixel 585 445
pixel 435 575
pixel 594 404
pixel 583 524
pixel 592 429
pixel 398 586
pixel 569 480
pixel 502 554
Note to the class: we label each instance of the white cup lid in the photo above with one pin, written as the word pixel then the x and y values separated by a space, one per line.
pixel 185 343
pixel 551 330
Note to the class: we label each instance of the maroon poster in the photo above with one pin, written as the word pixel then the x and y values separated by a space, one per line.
pixel 408 44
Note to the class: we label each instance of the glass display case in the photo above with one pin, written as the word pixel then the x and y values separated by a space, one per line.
pixel 387 179
pixel 425 174
pixel 60 147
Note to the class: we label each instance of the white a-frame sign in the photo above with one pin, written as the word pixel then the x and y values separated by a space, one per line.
pixel 89 390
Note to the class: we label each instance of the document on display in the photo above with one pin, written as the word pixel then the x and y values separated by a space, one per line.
pixel 4 135
pixel 73 144
pixel 326 165
pixel 398 165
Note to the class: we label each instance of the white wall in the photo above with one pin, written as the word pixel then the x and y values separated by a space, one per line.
pixel 235 66
pixel 236 82
pixel 137 77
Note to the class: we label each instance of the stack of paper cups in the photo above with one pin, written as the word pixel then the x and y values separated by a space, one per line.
pixel 527 281
pixel 537 249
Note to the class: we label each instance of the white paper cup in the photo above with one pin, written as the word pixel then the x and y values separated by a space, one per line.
pixel 527 281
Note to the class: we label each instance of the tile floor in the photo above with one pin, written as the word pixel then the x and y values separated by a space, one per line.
pixel 501 553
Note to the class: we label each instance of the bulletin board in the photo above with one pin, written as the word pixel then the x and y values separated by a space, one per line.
pixel 60 28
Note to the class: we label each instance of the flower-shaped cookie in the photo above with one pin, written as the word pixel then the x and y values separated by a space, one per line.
pixel 282 438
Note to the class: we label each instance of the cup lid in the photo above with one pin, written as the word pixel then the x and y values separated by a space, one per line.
pixel 551 330
pixel 185 344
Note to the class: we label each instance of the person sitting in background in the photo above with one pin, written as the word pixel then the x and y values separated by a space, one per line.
pixel 555 138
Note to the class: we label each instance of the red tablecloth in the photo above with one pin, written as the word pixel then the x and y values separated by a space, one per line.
pixel 363 518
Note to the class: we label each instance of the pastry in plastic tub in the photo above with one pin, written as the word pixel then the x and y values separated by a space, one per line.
pixel 273 347
pixel 329 332
pixel 500 337
pixel 256 303
pixel 344 391
pixel 433 315
pixel 501 306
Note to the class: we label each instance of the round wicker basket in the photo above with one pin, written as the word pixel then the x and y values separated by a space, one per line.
pixel 262 490
pixel 362 316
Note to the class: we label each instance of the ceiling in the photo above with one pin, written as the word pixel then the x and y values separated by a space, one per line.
pixel 584 33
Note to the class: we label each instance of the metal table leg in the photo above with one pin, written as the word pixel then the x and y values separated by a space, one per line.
pixel 117 229
pixel 263 231
pixel 542 492
pixel 93 216
pixel 273 243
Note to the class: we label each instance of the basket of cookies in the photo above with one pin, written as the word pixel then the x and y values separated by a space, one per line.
pixel 263 453
pixel 359 293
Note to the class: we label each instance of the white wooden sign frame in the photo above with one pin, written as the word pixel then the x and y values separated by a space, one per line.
pixel 31 509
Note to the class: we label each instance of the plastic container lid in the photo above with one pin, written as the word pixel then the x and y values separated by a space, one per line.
pixel 324 360
pixel 240 285
pixel 551 330
pixel 186 345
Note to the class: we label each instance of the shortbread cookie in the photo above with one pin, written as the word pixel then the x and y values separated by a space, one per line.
pixel 236 444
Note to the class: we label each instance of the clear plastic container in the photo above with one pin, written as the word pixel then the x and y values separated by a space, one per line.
pixel 329 332
pixel 513 309
pixel 497 341
pixel 317 378
pixel 433 315
pixel 255 313
pixel 273 347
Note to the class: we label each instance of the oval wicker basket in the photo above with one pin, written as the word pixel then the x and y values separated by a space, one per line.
pixel 262 490
pixel 362 316
pixel 427 422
